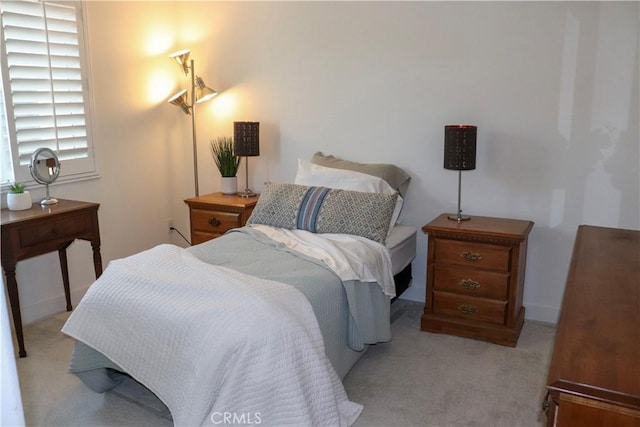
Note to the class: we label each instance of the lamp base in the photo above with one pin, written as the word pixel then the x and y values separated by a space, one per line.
pixel 459 217
pixel 247 193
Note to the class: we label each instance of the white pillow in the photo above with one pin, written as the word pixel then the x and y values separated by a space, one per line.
pixel 313 175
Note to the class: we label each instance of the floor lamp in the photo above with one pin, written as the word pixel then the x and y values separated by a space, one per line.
pixel 199 93
pixel 460 155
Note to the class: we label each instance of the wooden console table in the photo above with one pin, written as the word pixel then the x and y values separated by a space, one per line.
pixel 44 229
pixel 594 377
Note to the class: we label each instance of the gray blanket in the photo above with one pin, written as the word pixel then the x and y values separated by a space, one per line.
pixel 368 309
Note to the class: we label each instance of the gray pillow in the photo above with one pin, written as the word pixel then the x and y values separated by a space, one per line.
pixel 325 210
pixel 397 177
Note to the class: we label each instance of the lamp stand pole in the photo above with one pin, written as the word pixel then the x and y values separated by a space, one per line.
pixel 247 191
pixel 459 217
pixel 193 127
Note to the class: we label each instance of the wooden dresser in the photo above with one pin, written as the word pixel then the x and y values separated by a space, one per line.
pixel 214 214
pixel 594 377
pixel 475 278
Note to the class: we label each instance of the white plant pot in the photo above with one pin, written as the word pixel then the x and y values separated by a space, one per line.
pixel 19 201
pixel 229 184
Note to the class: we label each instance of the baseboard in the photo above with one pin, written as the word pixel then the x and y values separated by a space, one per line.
pixel 414 293
pixel 542 313
pixel 40 310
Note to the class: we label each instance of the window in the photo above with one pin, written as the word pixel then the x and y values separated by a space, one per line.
pixel 44 89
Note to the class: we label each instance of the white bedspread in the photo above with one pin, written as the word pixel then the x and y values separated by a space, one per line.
pixel 350 257
pixel 211 342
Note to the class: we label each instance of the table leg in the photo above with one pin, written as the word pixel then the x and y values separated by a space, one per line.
pixel 97 259
pixel 551 414
pixel 62 253
pixel 14 302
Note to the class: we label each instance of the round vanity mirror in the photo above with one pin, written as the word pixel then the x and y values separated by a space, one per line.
pixel 45 168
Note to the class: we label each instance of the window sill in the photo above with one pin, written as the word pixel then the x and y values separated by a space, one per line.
pixel 61 180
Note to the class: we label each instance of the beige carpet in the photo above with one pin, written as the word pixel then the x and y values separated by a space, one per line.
pixel 424 379
pixel 419 379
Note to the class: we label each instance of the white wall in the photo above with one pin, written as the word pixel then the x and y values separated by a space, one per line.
pixel 11 411
pixel 552 87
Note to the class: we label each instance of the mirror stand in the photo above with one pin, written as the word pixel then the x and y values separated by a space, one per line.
pixel 48 200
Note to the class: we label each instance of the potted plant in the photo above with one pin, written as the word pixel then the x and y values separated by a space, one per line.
pixel 227 163
pixel 18 199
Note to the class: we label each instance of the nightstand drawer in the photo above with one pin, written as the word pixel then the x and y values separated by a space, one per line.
pixel 215 222
pixel 472 282
pixel 476 255
pixel 198 237
pixel 465 307
pixel 214 214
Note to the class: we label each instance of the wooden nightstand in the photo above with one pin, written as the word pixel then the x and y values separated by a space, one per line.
pixel 214 214
pixel 475 278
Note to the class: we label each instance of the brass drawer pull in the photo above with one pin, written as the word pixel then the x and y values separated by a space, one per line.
pixel 467 309
pixel 471 256
pixel 469 284
pixel 214 222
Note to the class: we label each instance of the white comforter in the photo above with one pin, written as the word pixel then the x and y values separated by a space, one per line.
pixel 350 257
pixel 211 342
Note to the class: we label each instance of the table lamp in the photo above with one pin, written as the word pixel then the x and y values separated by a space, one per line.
pixel 246 142
pixel 460 155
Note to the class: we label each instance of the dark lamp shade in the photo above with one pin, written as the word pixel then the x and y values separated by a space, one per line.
pixel 246 138
pixel 460 147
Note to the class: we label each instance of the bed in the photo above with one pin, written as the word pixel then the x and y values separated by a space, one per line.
pixel 295 307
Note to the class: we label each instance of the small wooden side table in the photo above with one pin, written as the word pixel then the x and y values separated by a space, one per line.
pixel 214 214
pixel 44 229
pixel 475 278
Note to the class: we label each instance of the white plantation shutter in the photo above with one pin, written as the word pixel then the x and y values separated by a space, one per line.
pixel 45 84
pixel 6 167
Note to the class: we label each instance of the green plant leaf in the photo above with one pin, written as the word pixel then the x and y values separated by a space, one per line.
pixel 17 188
pixel 224 157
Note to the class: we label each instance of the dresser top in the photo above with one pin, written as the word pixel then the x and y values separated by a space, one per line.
pixel 481 226
pixel 37 211
pixel 597 345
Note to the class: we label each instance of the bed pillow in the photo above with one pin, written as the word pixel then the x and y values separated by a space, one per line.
pixel 325 210
pixel 397 177
pixel 312 174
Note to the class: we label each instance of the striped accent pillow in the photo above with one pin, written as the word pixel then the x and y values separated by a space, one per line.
pixel 310 208
pixel 325 210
